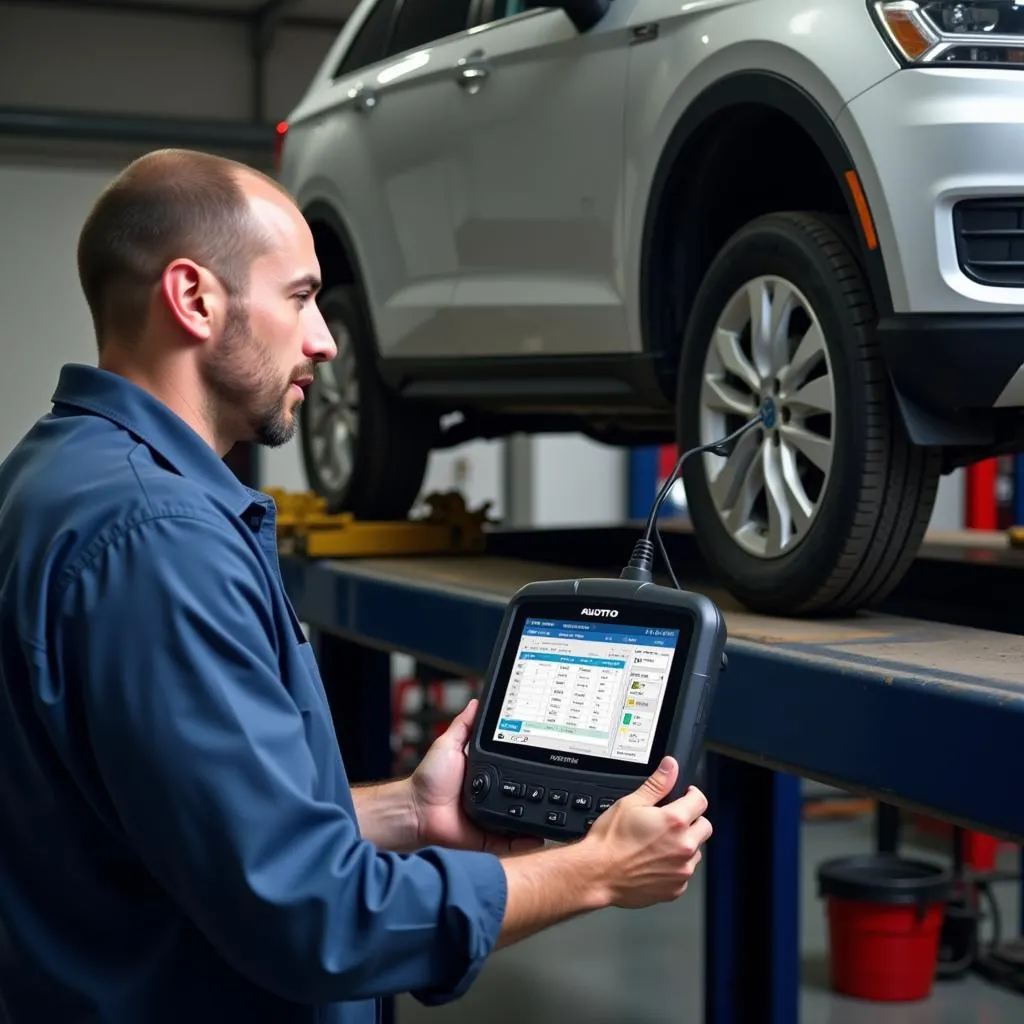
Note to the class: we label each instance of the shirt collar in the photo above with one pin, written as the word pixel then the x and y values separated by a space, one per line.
pixel 129 406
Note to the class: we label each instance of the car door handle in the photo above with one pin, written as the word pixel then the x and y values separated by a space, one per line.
pixel 362 98
pixel 471 72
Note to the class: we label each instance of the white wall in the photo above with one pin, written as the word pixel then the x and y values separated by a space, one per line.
pixel 45 321
pixel 579 482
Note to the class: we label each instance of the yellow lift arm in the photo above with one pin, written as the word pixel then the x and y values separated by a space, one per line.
pixel 304 527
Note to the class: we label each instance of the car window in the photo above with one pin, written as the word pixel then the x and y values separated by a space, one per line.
pixel 498 10
pixel 371 40
pixel 422 22
pixel 507 8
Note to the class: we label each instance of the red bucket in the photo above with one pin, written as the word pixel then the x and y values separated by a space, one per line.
pixel 885 919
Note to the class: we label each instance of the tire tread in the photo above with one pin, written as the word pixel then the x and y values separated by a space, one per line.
pixel 899 479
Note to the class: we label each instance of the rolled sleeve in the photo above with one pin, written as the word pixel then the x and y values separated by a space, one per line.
pixel 168 639
pixel 475 909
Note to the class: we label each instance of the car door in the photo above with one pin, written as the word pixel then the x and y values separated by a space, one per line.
pixel 390 144
pixel 537 172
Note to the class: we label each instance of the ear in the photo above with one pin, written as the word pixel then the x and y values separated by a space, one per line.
pixel 193 297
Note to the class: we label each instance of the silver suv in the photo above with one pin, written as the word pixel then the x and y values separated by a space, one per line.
pixel 644 220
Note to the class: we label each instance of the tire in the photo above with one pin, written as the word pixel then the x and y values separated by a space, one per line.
pixel 871 502
pixel 376 472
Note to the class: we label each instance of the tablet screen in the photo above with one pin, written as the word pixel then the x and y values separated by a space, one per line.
pixel 588 688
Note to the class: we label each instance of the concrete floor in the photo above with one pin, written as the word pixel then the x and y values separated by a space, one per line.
pixel 645 967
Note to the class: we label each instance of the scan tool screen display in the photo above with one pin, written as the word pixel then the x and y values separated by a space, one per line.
pixel 591 688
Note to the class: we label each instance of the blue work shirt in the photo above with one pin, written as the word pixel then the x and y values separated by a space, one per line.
pixel 178 838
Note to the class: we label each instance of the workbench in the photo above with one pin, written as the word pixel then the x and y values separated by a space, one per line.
pixel 921 714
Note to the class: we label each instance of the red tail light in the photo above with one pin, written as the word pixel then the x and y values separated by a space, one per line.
pixel 280 131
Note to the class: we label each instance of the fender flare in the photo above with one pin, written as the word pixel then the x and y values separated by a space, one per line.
pixel 766 89
pixel 321 211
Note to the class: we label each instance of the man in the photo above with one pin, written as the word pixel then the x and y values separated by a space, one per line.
pixel 179 840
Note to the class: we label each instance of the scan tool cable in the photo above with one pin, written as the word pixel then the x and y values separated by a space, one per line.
pixel 641 561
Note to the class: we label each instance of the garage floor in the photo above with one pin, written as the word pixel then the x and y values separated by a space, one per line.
pixel 644 967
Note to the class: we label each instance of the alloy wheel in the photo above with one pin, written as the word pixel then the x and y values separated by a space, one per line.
pixel 768 352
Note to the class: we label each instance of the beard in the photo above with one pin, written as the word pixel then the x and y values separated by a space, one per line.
pixel 247 392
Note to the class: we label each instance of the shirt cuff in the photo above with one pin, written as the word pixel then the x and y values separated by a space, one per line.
pixel 473 913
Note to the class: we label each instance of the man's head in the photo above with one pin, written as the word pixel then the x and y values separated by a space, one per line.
pixel 201 271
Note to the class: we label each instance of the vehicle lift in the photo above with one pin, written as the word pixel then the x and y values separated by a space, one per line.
pixel 306 528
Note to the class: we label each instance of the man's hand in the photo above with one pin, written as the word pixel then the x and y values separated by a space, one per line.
pixel 436 788
pixel 654 850
pixel 637 853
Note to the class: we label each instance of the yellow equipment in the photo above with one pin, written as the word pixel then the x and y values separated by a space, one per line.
pixel 304 527
pixel 1016 536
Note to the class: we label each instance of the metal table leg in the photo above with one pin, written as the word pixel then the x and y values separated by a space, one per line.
pixel 752 907
pixel 357 680
pixel 888 822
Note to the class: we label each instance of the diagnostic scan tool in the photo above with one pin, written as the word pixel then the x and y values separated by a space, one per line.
pixel 591 682
pixel 594 682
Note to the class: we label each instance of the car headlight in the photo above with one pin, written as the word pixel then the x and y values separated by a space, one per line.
pixel 985 33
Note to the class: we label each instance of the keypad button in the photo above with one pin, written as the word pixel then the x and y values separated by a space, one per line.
pixel 535 794
pixel 559 796
pixel 581 802
pixel 513 788
pixel 604 803
pixel 516 810
pixel 555 817
pixel 588 823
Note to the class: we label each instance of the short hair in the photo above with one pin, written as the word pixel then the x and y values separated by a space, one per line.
pixel 166 205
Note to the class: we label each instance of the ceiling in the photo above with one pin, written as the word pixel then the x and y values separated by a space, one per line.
pixel 339 9
pixel 320 12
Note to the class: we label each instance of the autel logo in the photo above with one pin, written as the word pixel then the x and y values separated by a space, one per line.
pixel 601 613
pixel 564 759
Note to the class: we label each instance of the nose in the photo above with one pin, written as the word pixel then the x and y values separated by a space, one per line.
pixel 319 345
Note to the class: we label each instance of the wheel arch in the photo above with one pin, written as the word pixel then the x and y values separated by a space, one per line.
pixel 335 250
pixel 682 230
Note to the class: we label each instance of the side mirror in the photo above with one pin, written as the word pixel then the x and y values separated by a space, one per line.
pixel 585 14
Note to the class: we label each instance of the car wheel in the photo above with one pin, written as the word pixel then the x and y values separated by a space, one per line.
pixel 822 508
pixel 361 450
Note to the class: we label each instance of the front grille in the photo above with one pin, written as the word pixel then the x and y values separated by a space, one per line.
pixel 990 240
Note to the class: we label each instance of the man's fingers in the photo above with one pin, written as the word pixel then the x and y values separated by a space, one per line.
pixel 690 806
pixel 701 831
pixel 462 725
pixel 655 786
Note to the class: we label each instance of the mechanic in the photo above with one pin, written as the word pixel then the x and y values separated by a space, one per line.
pixel 180 842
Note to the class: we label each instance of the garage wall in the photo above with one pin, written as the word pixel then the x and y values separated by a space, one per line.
pixel 69 57
pixel 44 320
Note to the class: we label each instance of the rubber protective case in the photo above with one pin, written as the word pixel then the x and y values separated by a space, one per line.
pixel 532 794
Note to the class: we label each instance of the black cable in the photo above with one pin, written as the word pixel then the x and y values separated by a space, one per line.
pixel 641 561
pixel 665 558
